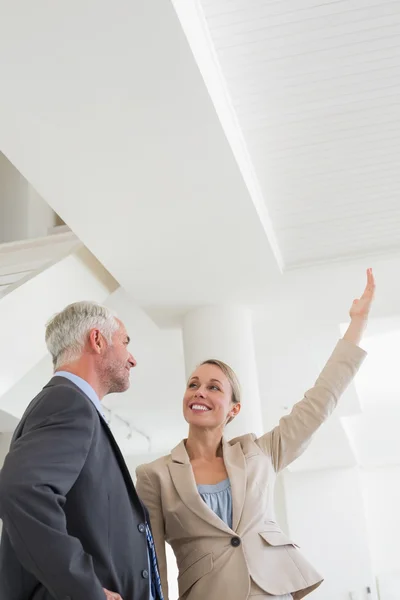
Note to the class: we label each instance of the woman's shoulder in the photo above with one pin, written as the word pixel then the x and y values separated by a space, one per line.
pixel 160 464
pixel 244 440
pixel 154 466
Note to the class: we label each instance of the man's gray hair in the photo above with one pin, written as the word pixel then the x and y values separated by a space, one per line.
pixel 67 332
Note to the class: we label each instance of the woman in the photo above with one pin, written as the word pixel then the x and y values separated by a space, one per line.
pixel 212 500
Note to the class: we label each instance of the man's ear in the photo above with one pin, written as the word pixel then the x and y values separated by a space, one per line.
pixel 96 341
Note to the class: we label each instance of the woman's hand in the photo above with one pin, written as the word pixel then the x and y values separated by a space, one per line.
pixel 361 306
pixel 359 311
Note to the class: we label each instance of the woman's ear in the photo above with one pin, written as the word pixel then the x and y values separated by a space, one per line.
pixel 235 410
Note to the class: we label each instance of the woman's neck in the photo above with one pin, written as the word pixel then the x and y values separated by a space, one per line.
pixel 204 444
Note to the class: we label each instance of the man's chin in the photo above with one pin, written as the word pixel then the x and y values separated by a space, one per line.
pixel 125 385
pixel 120 386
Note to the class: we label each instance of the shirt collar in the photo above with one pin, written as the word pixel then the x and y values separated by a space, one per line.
pixel 84 386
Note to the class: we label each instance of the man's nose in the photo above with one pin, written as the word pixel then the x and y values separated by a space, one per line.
pixel 132 361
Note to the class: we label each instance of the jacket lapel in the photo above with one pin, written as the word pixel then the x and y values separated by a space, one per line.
pixel 235 464
pixel 118 454
pixel 182 476
pixel 121 461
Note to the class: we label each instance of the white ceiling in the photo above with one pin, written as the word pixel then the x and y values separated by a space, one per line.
pixel 118 134
pixel 315 87
pixel 131 153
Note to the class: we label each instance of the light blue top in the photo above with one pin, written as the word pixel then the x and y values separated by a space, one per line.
pixel 93 397
pixel 218 497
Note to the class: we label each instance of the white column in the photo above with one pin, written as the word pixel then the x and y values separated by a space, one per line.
pixel 226 333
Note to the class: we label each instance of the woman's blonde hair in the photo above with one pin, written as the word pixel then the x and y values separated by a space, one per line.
pixel 231 377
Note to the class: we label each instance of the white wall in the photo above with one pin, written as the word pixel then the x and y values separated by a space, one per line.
pixel 7 422
pixel 280 503
pixel 19 395
pixel 13 189
pixel 326 517
pixel 23 213
pixel 40 216
pixel 5 439
pixel 381 487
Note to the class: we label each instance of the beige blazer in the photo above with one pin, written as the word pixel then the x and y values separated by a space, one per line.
pixel 214 561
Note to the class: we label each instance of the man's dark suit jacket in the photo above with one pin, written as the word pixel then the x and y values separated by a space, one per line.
pixel 72 521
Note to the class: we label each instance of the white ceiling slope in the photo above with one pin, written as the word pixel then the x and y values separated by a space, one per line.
pixel 315 85
pixel 104 111
pixel 30 303
pixel 19 261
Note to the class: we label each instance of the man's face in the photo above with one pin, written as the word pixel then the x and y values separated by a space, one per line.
pixel 117 362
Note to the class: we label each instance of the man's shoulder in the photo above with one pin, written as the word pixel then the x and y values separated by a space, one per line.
pixel 58 395
pixel 58 382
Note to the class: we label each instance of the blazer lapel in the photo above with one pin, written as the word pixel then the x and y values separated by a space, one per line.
pixel 121 461
pixel 118 454
pixel 182 476
pixel 235 464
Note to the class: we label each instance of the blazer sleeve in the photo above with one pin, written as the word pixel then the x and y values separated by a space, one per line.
pixel 150 494
pixel 42 466
pixel 291 437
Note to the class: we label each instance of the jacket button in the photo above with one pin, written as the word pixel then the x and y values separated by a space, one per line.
pixel 141 528
pixel 235 542
pixel 145 574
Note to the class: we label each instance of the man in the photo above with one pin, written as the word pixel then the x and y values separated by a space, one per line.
pixel 73 525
